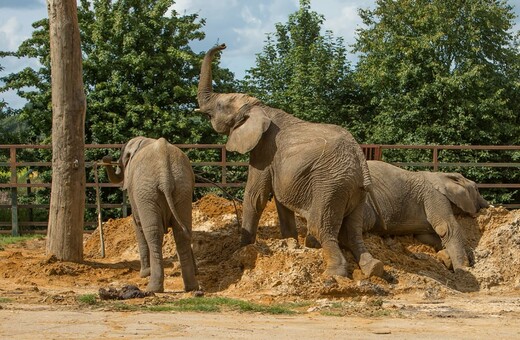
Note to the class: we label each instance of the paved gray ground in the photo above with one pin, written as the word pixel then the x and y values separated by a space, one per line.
pixel 44 322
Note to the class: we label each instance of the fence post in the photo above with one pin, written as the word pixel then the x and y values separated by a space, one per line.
pixel 14 194
pixel 224 169
pixel 435 159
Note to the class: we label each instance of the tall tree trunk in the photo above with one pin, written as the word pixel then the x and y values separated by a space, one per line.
pixel 65 232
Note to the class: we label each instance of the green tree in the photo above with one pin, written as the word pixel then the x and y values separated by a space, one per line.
pixel 33 84
pixel 305 72
pixel 440 72
pixel 10 126
pixel 140 74
pixel 140 78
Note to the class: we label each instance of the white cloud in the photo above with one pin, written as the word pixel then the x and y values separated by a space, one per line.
pixel 10 37
pixel 242 25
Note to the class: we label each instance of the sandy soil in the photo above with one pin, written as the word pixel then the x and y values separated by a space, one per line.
pixel 417 296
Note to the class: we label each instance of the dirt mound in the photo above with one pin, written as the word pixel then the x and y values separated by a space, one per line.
pixel 281 269
pixel 284 268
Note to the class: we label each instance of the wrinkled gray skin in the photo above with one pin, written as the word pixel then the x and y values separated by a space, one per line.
pixel 421 203
pixel 160 181
pixel 317 170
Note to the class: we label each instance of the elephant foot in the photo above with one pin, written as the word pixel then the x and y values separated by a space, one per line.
pixel 155 288
pixel 145 272
pixel 191 287
pixel 246 238
pixel 336 271
pixel 371 266
pixel 312 242
pixel 445 258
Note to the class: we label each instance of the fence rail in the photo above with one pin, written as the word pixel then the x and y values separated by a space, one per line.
pixel 371 152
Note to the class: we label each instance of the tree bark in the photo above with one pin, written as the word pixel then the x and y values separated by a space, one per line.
pixel 65 231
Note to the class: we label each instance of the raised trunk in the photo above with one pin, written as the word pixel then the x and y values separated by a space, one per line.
pixel 205 82
pixel 114 176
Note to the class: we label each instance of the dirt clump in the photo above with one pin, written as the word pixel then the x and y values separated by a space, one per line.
pixel 276 269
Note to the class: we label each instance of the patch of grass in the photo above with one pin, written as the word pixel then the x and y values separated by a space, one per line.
pixel 371 308
pixel 8 239
pixel 88 299
pixel 5 300
pixel 218 304
pixel 333 313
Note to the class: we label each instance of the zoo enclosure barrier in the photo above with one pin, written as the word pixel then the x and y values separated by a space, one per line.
pixel 429 158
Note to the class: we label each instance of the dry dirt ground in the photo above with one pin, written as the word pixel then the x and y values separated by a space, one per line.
pixel 418 296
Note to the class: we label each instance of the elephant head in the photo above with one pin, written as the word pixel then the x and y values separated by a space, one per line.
pixel 237 115
pixel 462 192
pixel 127 153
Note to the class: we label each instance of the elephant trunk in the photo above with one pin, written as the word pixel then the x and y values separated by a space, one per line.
pixel 205 88
pixel 113 176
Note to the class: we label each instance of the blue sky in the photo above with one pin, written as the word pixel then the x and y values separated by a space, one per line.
pixel 241 24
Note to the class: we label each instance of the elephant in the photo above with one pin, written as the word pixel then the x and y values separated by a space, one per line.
pixel 159 180
pixel 317 170
pixel 421 203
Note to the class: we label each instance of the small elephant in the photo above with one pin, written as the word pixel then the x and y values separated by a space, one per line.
pixel 421 203
pixel 317 170
pixel 160 181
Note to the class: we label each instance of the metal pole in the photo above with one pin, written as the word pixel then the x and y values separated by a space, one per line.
pixel 98 206
pixel 435 158
pixel 14 194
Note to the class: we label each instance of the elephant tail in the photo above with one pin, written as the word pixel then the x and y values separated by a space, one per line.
pixel 368 186
pixel 169 200
pixel 375 204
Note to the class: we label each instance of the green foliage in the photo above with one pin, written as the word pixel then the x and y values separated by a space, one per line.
pixel 140 78
pixel 139 72
pixel 33 85
pixel 304 72
pixel 7 239
pixel 440 72
pixel 217 304
pixel 88 299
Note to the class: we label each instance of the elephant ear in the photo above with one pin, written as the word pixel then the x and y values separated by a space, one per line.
pixel 459 190
pixel 128 151
pixel 246 134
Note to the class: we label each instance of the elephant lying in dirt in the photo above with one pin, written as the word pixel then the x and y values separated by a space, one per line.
pixel 421 203
pixel 160 181
pixel 317 170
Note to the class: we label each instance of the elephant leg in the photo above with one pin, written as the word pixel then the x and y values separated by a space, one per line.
pixel 441 218
pixel 312 242
pixel 144 252
pixel 256 195
pixel 153 230
pixel 184 249
pixel 353 227
pixel 154 235
pixel 287 221
pixel 324 226
pixel 334 259
pixel 430 239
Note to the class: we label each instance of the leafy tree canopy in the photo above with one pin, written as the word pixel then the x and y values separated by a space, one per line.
pixel 440 72
pixel 304 71
pixel 140 74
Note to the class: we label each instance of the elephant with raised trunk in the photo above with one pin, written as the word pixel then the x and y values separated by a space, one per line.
pixel 159 180
pixel 316 170
pixel 421 203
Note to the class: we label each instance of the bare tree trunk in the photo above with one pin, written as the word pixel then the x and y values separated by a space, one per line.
pixel 65 232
